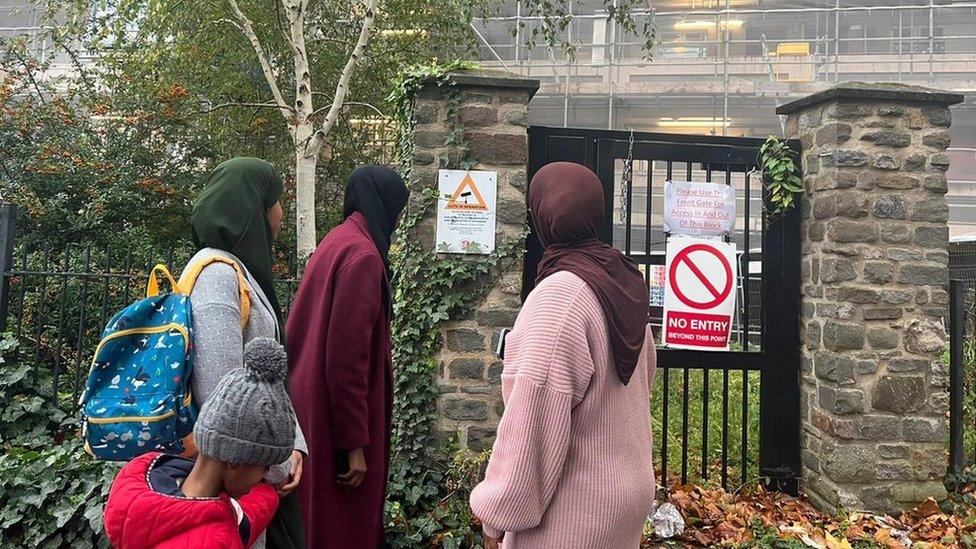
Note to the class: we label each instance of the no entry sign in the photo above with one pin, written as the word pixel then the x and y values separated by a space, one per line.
pixel 699 297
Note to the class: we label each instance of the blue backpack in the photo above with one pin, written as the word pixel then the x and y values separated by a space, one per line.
pixel 138 397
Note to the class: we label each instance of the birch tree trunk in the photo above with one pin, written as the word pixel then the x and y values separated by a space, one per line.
pixel 305 163
pixel 307 135
pixel 306 146
pixel 305 203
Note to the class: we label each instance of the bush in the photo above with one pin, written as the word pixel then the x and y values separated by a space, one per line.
pixel 83 165
pixel 51 492
pixel 449 523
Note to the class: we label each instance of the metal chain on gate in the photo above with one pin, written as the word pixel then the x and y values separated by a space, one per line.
pixel 626 183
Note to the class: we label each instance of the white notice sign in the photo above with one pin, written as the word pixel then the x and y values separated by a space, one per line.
pixel 466 212
pixel 698 209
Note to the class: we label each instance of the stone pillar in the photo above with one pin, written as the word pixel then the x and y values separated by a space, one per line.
pixel 493 113
pixel 875 254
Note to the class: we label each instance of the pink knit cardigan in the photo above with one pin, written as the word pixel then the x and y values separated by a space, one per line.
pixel 572 464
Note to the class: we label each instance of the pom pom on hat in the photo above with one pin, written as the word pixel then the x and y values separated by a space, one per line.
pixel 265 360
pixel 248 419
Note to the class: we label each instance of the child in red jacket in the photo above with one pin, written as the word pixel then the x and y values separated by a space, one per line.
pixel 219 500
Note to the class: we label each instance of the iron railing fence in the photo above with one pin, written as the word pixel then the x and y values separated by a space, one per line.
pixel 56 299
pixel 962 374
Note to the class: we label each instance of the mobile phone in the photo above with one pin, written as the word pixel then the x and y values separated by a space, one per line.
pixel 341 458
pixel 500 349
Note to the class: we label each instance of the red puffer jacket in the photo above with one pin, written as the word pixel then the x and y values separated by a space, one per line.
pixel 145 509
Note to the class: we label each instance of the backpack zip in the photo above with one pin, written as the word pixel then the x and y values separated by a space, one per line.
pixel 135 331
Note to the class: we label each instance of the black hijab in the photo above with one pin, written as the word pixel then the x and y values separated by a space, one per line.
pixel 231 214
pixel 379 194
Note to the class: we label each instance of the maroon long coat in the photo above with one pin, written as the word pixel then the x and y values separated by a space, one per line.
pixel 341 385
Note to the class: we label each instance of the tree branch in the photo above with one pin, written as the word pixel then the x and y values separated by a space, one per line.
pixel 245 26
pixel 295 11
pixel 29 72
pixel 281 21
pixel 374 108
pixel 269 104
pixel 342 87
pixel 6 170
pixel 339 41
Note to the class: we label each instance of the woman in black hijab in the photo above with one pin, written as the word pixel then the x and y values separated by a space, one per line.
pixel 380 195
pixel 341 369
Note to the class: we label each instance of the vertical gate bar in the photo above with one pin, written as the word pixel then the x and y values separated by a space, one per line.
pixel 728 181
pixel 150 263
pixel 684 429
pixel 957 331
pixel 665 397
pixel 647 223
pixel 23 291
pixel 725 429
pixel 106 283
pixel 686 403
pixel 128 276
pixel 669 169
pixel 8 232
pixel 706 373
pixel 80 343
pixel 665 423
pixel 630 206
pixel 39 317
pixel 745 279
pixel 64 309
pixel 745 426
pixel 744 443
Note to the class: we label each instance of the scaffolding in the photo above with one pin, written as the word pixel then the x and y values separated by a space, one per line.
pixel 742 49
pixel 721 67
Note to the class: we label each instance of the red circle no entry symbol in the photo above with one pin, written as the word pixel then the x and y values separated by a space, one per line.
pixel 718 295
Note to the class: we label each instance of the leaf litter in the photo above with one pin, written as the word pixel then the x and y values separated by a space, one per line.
pixel 756 517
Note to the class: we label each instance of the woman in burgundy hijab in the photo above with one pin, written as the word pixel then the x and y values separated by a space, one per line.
pixel 571 466
pixel 341 373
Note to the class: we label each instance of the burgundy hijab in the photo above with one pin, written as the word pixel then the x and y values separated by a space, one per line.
pixel 566 200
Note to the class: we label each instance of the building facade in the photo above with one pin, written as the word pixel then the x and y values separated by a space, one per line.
pixel 721 67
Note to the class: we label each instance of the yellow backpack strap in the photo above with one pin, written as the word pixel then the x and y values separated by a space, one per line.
pixel 189 279
pixel 152 288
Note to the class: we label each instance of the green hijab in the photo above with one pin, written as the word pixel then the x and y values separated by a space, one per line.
pixel 231 214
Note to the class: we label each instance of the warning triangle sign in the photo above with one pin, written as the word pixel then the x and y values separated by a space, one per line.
pixel 467 196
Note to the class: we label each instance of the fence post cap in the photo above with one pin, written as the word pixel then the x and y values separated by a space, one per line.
pixel 873 91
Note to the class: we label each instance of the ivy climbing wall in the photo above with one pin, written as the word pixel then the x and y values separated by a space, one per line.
pixel 473 120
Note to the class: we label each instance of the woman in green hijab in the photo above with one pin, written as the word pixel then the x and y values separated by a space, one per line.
pixel 234 223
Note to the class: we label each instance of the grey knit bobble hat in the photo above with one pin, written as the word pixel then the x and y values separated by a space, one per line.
pixel 248 419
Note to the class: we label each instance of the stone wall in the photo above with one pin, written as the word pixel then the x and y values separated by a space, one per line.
pixel 874 269
pixel 493 112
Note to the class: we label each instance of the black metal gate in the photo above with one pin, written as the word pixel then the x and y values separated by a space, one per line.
pixel 766 327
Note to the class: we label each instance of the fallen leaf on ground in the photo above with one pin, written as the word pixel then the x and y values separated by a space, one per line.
pixel 716 518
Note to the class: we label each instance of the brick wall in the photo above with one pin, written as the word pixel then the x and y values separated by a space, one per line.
pixel 494 114
pixel 874 271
